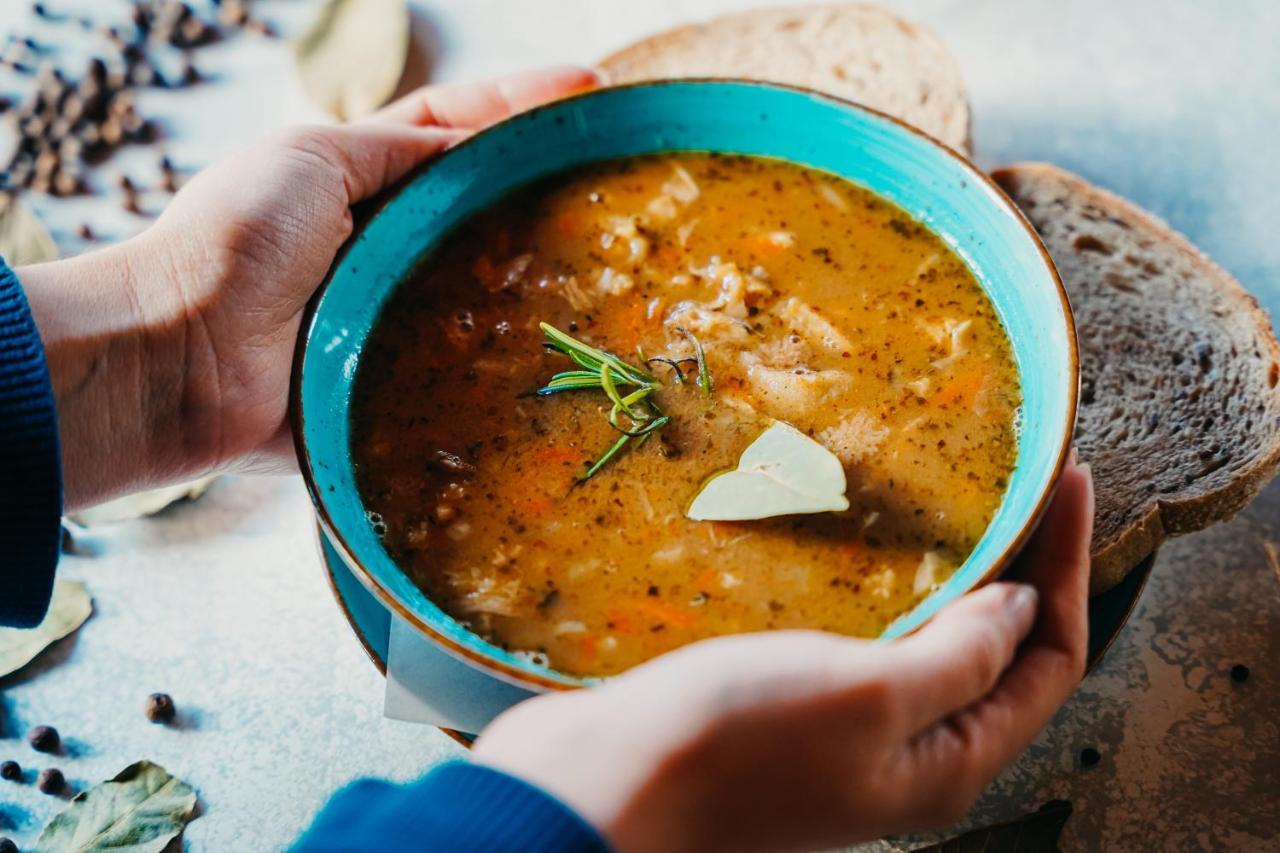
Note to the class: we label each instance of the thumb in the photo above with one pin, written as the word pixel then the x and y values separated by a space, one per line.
pixel 479 104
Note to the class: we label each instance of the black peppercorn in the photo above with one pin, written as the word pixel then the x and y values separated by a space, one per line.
pixel 141 19
pixel 97 70
pixel 259 26
pixel 143 74
pixel 1239 673
pixel 168 175
pixel 44 739
pixel 160 708
pixel 7 846
pixel 67 182
pixel 233 13
pixel 111 132
pixel 84 232
pixel 11 770
pixel 1089 757
pixel 51 781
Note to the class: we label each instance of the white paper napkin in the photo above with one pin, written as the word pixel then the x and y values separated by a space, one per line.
pixel 426 684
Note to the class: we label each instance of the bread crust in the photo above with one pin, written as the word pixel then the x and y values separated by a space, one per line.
pixel 860 52
pixel 1206 499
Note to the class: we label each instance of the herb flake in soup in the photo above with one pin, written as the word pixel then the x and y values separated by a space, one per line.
pixel 749 292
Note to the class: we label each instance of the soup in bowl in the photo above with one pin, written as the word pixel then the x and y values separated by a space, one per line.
pixel 678 360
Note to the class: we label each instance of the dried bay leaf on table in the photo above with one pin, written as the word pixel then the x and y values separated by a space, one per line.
pixel 24 239
pixel 69 609
pixel 353 55
pixel 1037 832
pixel 141 810
pixel 140 504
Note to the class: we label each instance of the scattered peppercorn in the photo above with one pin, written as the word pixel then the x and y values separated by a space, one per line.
pixel 79 121
pixel 44 739
pixel 1239 673
pixel 128 195
pixel 1089 757
pixel 261 27
pixel 7 846
pixel 51 781
pixel 168 175
pixel 11 770
pixel 233 13
pixel 160 708
pixel 84 232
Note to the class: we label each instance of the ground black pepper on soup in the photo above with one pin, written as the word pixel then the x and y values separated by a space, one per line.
pixel 750 292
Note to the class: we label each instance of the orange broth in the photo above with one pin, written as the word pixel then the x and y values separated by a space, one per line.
pixel 816 302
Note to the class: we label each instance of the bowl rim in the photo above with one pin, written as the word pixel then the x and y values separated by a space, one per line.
pixel 367 211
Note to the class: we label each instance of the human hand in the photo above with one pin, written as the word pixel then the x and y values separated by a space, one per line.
pixel 171 353
pixel 796 740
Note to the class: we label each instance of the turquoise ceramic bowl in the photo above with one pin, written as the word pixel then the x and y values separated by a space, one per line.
pixel 928 180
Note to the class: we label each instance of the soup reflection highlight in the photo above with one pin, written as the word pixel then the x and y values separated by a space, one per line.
pixel 814 302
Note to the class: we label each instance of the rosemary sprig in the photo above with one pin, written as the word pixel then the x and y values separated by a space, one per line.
pixel 704 375
pixel 604 460
pixel 606 372
pixel 591 358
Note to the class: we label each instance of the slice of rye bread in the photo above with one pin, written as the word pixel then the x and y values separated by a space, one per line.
pixel 1179 403
pixel 862 53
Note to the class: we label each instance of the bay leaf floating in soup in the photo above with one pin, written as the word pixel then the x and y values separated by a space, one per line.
pixel 815 303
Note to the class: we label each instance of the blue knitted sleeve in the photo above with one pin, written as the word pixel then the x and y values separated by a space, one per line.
pixel 30 464
pixel 456 808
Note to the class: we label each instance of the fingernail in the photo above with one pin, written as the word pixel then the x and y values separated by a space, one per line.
pixel 1075 455
pixel 603 77
pixel 1022 603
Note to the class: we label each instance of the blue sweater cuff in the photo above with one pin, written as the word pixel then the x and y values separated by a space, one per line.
pixel 456 808
pixel 31 483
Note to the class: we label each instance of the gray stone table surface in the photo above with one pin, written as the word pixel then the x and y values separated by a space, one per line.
pixel 223 604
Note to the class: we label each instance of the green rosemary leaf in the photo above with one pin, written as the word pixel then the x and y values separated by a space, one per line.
pixel 608 455
pixel 605 372
pixel 591 358
pixel 570 381
pixel 704 375
pixel 673 363
pixel 611 391
pixel 639 418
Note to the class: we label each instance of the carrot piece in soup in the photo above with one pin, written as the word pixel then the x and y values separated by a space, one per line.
pixel 568 224
pixel 660 611
pixel 963 390
pixel 558 455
